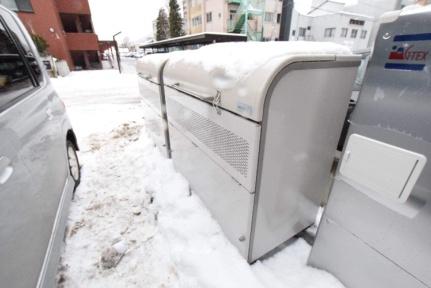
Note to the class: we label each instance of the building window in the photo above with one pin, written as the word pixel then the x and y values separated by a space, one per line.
pixel 354 33
pixel 344 32
pixel 196 21
pixel 269 17
pixel 232 14
pixel 357 22
pixel 73 23
pixel 363 34
pixel 15 78
pixel 329 32
pixel 278 18
pixel 28 52
pixel 209 17
pixel 293 32
pixel 301 32
pixel 17 5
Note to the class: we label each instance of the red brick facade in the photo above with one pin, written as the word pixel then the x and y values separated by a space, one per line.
pixel 67 27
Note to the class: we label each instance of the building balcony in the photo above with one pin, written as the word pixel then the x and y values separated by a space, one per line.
pixel 73 7
pixel 76 23
pixel 82 41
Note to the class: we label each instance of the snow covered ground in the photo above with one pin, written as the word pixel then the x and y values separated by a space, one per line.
pixel 131 196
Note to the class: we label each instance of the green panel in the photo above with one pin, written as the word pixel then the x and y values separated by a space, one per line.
pixel 240 24
pixel 234 2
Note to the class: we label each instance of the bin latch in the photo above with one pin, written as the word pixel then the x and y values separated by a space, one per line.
pixel 216 102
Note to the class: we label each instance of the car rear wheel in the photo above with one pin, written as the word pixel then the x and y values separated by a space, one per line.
pixel 74 168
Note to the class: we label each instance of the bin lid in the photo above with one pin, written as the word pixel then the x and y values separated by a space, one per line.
pixel 149 66
pixel 241 72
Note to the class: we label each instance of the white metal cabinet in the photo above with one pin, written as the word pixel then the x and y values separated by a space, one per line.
pixel 257 147
pixel 371 201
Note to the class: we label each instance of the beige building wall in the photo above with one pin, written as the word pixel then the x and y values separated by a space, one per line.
pixel 215 16
pixel 195 16
pixel 272 19
pixel 220 16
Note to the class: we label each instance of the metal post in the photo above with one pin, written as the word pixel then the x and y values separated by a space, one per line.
pixel 117 52
pixel 164 113
pixel 286 20
pixel 246 18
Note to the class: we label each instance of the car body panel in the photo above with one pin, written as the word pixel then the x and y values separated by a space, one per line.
pixel 35 198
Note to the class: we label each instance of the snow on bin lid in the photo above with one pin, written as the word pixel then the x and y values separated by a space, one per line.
pixel 392 16
pixel 149 66
pixel 242 70
pixel 415 9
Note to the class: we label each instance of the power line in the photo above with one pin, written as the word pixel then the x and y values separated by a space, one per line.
pixel 316 8
pixel 319 7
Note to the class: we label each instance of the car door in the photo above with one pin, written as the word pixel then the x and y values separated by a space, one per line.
pixel 33 162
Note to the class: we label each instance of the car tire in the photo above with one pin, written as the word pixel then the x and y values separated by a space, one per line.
pixel 73 163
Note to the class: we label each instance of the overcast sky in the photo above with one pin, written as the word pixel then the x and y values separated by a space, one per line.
pixel 135 17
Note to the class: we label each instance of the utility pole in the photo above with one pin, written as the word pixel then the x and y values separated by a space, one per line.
pixel 286 20
pixel 116 51
pixel 246 18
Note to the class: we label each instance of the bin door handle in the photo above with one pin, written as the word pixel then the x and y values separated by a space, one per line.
pixel 213 100
pixel 216 102
pixel 6 169
pixel 145 76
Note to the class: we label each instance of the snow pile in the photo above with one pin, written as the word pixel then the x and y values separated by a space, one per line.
pixel 238 59
pixel 415 9
pixel 133 206
pixel 288 268
pixel 151 62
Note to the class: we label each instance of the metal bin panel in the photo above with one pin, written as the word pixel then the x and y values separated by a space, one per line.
pixel 338 251
pixel 301 127
pixel 393 108
pixel 229 140
pixel 150 93
pixel 228 201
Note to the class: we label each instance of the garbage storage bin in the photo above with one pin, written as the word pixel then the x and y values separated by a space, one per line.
pixel 255 128
pixel 150 69
pixel 376 229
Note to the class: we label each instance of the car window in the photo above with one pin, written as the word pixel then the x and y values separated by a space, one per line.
pixel 15 79
pixel 19 36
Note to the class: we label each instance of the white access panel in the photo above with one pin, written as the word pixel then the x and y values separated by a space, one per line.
pixel 387 170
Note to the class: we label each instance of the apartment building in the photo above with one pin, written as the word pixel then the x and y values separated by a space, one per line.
pixel 345 28
pixel 334 21
pixel 65 25
pixel 229 16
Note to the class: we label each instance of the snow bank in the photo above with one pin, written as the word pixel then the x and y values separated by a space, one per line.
pixel 238 59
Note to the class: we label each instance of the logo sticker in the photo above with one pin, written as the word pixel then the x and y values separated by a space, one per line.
pixel 408 56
